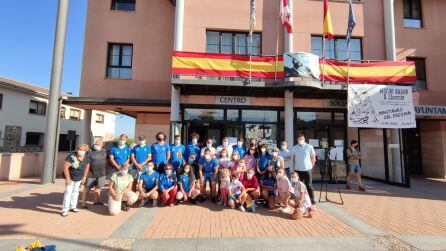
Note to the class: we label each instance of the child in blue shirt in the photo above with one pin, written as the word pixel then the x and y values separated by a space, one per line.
pixel 168 185
pixel 187 186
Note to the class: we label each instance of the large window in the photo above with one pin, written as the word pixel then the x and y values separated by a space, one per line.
pixel 1 100
pixel 128 5
pixel 75 114
pixel 119 63
pixel 412 13
pixel 204 114
pixel 37 107
pixel 420 67
pixel 259 116
pixel 232 42
pixel 34 139
pixel 337 48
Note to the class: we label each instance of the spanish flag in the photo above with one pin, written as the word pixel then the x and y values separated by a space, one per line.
pixel 328 28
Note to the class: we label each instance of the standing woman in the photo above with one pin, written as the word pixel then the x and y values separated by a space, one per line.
pixel 276 160
pixel 354 156
pixel 76 168
pixel 168 186
pixel 251 158
pixel 263 159
pixel 96 176
pixel 120 190
pixel 186 186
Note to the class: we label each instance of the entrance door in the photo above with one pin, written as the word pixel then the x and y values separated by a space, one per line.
pixel 206 130
pixel 412 150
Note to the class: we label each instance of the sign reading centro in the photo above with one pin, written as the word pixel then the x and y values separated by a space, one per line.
pixel 230 100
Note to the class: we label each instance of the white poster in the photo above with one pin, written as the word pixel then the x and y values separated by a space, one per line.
pixel 314 142
pixel 380 106
pixel 301 64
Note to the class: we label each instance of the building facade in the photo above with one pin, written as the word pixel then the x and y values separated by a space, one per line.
pixel 128 60
pixel 23 119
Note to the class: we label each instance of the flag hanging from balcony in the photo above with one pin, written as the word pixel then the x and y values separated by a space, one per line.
pixel 285 16
pixel 328 28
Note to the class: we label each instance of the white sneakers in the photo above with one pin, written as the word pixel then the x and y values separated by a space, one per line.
pixel 143 202
pixel 242 208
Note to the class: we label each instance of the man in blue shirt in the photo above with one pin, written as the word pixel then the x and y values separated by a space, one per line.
pixel 148 185
pixel 208 172
pixel 177 153
pixel 120 154
pixel 193 147
pixel 304 159
pixel 240 147
pixel 140 155
pixel 160 152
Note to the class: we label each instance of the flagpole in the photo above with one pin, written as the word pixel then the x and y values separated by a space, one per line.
pixel 348 63
pixel 323 59
pixel 250 56
pixel 277 44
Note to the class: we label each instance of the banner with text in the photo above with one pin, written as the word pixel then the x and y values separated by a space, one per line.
pixel 380 106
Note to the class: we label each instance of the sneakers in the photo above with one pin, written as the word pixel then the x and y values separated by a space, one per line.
pixel 125 207
pixel 362 189
pixel 201 198
pixel 348 187
pixel 143 202
pixel 64 214
pixel 214 199
pixel 74 210
pixel 155 203
pixel 242 209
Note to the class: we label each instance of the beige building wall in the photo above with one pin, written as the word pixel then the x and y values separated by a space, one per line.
pixel 150 124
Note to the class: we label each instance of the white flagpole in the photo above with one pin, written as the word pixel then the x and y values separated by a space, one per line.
pixel 277 42
pixel 348 63
pixel 323 59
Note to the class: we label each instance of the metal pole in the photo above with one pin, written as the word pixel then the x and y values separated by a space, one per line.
pixel 59 108
pixel 348 63
pixel 277 42
pixel 323 59
pixel 56 78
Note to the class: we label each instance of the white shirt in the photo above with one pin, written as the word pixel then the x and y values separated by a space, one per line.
pixel 228 149
pixel 212 149
pixel 302 157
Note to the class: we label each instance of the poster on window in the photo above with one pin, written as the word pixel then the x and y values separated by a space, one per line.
pixel 301 64
pixel 263 132
pixel 380 106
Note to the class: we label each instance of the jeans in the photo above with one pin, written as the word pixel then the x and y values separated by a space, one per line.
pixel 307 178
pixel 70 197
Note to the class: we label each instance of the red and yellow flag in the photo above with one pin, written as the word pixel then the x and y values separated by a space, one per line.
pixel 328 28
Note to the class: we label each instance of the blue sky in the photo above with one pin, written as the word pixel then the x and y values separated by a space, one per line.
pixel 26 45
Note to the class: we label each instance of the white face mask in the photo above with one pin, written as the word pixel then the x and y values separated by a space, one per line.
pixel 235 158
pixel 207 156
pixel 97 148
pixel 186 171
pixel 279 175
pixel 293 180
pixel 225 143
pixel 124 172
pixel 240 143
pixel 275 154
pixel 80 153
pixel 169 172
pixel 252 151
pixel 301 142
pixel 249 176
pixel 209 145
pixel 142 143
pixel 283 148
pixel 122 142
pixel 149 168
pixel 263 150
pixel 177 142
pixel 194 141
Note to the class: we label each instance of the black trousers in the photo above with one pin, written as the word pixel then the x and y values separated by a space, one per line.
pixel 307 178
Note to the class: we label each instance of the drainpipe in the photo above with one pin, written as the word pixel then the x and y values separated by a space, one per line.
pixel 288 95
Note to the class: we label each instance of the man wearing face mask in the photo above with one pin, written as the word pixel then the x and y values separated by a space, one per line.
pixel 160 152
pixel 193 147
pixel 140 155
pixel 120 154
pixel 304 159
pixel 286 155
pixel 96 174
pixel 177 153
pixel 209 146
pixel 240 147
pixel 225 145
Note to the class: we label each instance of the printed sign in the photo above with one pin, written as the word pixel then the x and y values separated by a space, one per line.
pixel 380 106
pixel 430 110
pixel 301 64
pixel 230 100
pixel 334 103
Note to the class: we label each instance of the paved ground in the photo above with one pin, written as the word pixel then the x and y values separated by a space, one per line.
pixel 386 217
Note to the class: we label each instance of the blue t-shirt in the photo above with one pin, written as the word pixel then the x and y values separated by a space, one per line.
pixel 263 161
pixel 120 154
pixel 268 181
pixel 190 148
pixel 149 180
pixel 176 155
pixel 166 182
pixel 141 153
pixel 159 153
pixel 240 149
pixel 208 167
pixel 184 180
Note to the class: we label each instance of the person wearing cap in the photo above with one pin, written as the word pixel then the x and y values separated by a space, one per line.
pixel 120 193
pixel 177 153
pixel 96 175
pixel 193 147
pixel 276 160
pixel 148 185
pixel 140 155
pixel 240 147
pixel 120 154
pixel 160 152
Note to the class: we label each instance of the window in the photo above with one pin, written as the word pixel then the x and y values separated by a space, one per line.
pixel 203 114
pixel 34 139
pixel 311 119
pixel 62 112
pixel 1 100
pixel 412 13
pixel 337 48
pixel 231 115
pixel 99 118
pixel 128 5
pixel 67 144
pixel 119 62
pixel 232 42
pixel 37 107
pixel 75 114
pixel 259 116
pixel 420 67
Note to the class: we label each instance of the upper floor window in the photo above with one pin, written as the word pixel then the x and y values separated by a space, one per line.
pixel 75 114
pixel 233 42
pixel 337 48
pixel 420 67
pixel 1 100
pixel 34 139
pixel 412 13
pixel 62 112
pixel 99 118
pixel 119 63
pixel 37 107
pixel 128 5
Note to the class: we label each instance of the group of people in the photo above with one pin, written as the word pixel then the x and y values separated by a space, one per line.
pixel 238 175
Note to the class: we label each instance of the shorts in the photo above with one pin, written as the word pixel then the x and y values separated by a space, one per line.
pixel 272 193
pixel 234 197
pixel 354 168
pixel 95 182
pixel 208 176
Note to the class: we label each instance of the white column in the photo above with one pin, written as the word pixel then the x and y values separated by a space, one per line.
pixel 175 92
pixel 86 128
pixel 288 95
pixel 389 29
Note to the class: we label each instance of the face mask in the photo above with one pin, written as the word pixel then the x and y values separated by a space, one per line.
pixel 263 150
pixel 275 154
pixel 97 148
pixel 293 180
pixel 225 143
pixel 191 159
pixel 124 172
pixel 301 142
pixel 235 158
pixel 81 153
pixel 240 143
pixel 186 171
pixel 279 175
pixel 122 142
pixel 249 176
pixel 177 142
pixel 160 139
pixel 252 151
pixel 209 145
pixel 207 156
pixel 168 172
pixel 142 143
pixel 194 141
pixel 283 148
pixel 149 168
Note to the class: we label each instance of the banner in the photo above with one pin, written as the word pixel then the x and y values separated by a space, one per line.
pixel 301 64
pixel 380 106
